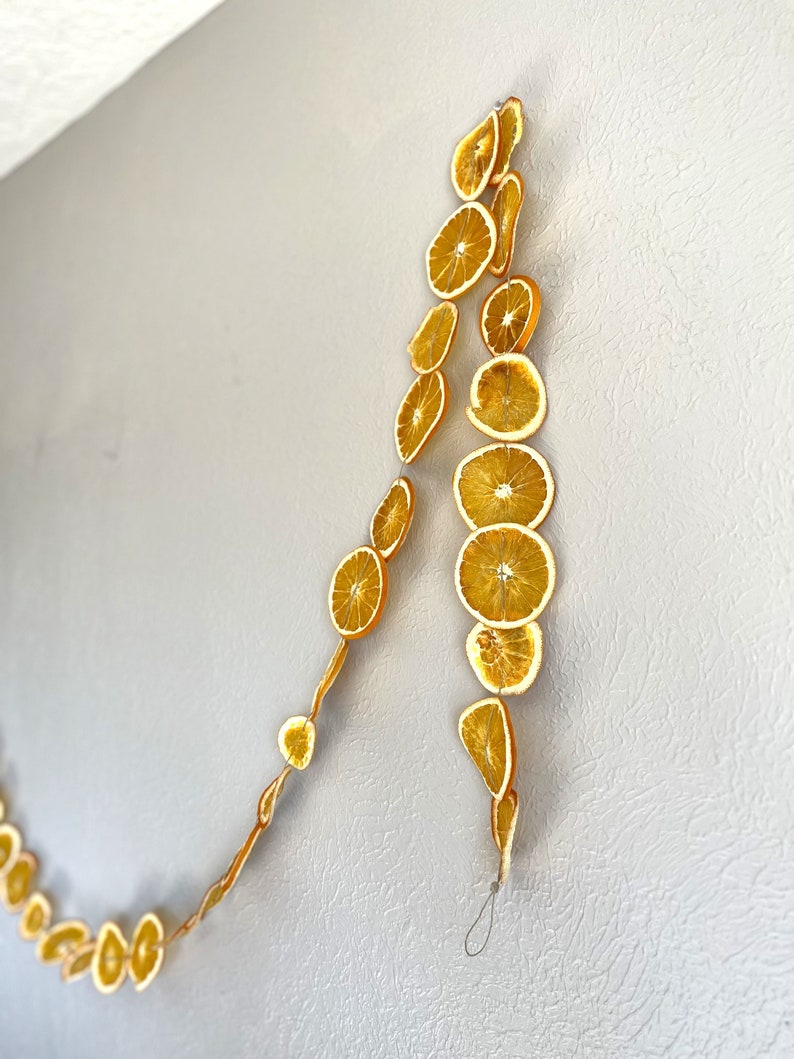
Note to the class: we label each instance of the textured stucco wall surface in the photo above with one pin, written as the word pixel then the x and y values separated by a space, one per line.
pixel 207 287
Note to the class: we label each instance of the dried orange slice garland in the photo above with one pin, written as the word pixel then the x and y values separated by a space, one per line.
pixel 457 257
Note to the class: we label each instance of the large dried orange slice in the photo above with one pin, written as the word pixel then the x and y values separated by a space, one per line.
pixel 10 847
pixel 61 939
pixel 392 520
pixel 358 592
pixel 461 251
pixel 487 733
pixel 432 342
pixel 17 883
pixel 503 483
pixel 420 414
pixel 109 962
pixel 506 206
pixel 506 661
pixel 509 315
pixel 511 129
pixel 504 575
pixel 77 962
pixel 36 917
pixel 296 741
pixel 504 816
pixel 474 159
pixel 146 951
pixel 508 398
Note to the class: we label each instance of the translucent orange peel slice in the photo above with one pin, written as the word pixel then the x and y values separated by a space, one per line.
pixel 486 731
pixel 296 740
pixel 504 575
pixel 430 346
pixel 392 520
pixel 505 661
pixel 420 414
pixel 508 398
pixel 461 250
pixel 504 817
pixel 474 158
pixel 109 960
pixel 77 962
pixel 10 847
pixel 509 315
pixel 511 129
pixel 329 676
pixel 506 206
pixel 503 483
pixel 270 795
pixel 61 940
pixel 36 917
pixel 17 883
pixel 146 951
pixel 358 592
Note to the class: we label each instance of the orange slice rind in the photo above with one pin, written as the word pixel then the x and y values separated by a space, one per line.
pixel 296 739
pixel 109 960
pixel 509 315
pixel 17 883
pixel 505 661
pixel 77 962
pixel 511 129
pixel 10 847
pixel 62 939
pixel 508 398
pixel 358 592
pixel 430 346
pixel 420 414
pixel 504 816
pixel 506 206
pixel 486 731
pixel 146 953
pixel 503 483
pixel 36 917
pixel 461 250
pixel 474 158
pixel 392 520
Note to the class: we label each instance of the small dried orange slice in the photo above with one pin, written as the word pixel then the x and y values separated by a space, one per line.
pixel 358 592
pixel 109 961
pixel 328 677
pixel 509 315
pixel 505 661
pixel 296 741
pixel 511 129
pixel 504 575
pixel 77 962
pixel 503 483
pixel 432 342
pixel 508 398
pixel 461 251
pixel 146 952
pixel 487 733
pixel 36 917
pixel 270 795
pixel 504 816
pixel 420 414
pixel 474 159
pixel 392 520
pixel 16 884
pixel 10 847
pixel 506 206
pixel 62 939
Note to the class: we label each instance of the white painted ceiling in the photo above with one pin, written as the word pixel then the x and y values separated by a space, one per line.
pixel 60 57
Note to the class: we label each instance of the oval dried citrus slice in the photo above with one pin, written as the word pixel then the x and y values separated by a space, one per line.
pixel 487 733
pixel 461 251
pixel 509 315
pixel 504 575
pixel 296 741
pixel 503 483
pixel 511 129
pixel 358 592
pixel 109 962
pixel 420 414
pixel 10 847
pixel 77 962
pixel 504 816
pixel 474 159
pixel 508 398
pixel 392 520
pixel 506 206
pixel 506 661
pixel 431 344
pixel 146 954
pixel 16 884
pixel 36 917
pixel 61 940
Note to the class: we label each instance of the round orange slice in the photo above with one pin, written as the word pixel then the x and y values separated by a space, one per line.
pixel 77 962
pixel 392 520
pixel 504 816
pixel 10 847
pixel 36 917
pixel 109 961
pixel 511 129
pixel 506 206
pixel 16 884
pixel 296 741
pixel 358 592
pixel 420 414
pixel 146 951
pixel 503 483
pixel 461 251
pixel 505 661
pixel 504 575
pixel 61 940
pixel 508 398
pixel 474 159
pixel 509 315
pixel 486 731
pixel 432 342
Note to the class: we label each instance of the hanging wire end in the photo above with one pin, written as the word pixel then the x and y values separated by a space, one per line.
pixel 490 900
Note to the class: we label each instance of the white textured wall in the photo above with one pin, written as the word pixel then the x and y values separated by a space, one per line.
pixel 207 287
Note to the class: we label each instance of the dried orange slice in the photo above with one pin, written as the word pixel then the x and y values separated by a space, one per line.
pixel 511 129
pixel 503 483
pixel 358 592
pixel 431 344
pixel 506 206
pixel 328 677
pixel 504 816
pixel 508 398
pixel 109 962
pixel 146 953
pixel 506 661
pixel 487 733
pixel 296 741
pixel 504 575
pixel 420 414
pixel 474 159
pixel 36 917
pixel 16 884
pixel 392 520
pixel 461 251
pixel 509 315
pixel 270 795
pixel 10 847
pixel 77 962
pixel 62 939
